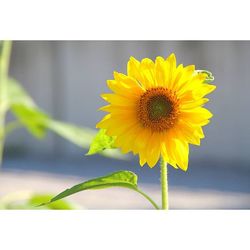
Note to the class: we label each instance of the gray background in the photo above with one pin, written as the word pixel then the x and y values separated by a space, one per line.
pixel 66 78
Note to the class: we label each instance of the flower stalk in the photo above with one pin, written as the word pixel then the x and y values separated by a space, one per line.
pixel 5 51
pixel 164 184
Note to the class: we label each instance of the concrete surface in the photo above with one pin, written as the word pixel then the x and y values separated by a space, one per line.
pixel 199 188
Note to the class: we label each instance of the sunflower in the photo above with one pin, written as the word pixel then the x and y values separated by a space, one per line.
pixel 156 110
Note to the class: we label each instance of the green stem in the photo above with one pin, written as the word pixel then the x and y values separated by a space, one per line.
pixel 164 184
pixel 148 198
pixel 4 68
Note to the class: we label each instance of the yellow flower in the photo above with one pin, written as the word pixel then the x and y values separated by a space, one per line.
pixel 156 110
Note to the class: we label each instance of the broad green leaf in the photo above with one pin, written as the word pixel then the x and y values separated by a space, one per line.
pixel 125 179
pixel 121 178
pixel 104 144
pixel 209 78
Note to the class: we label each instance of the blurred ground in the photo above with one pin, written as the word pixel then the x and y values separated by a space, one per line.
pixel 204 186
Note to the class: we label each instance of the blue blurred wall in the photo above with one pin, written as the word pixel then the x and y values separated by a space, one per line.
pixel 66 79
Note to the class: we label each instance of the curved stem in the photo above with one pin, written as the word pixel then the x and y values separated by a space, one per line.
pixel 164 184
pixel 4 68
pixel 148 198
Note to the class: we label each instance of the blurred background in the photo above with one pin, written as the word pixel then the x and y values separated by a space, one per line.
pixel 66 78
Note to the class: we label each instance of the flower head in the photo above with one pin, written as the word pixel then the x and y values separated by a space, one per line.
pixel 156 110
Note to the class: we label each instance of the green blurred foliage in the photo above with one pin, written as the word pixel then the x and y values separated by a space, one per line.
pixel 15 99
pixel 27 201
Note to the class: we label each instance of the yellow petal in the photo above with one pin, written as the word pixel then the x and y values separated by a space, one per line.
pixel 165 155
pixel 205 89
pixel 148 72
pixel 127 82
pixel 133 69
pixel 181 154
pixel 119 100
pixel 126 139
pixel 198 116
pixel 160 71
pixel 153 149
pixel 193 104
pixel 171 69
pixel 189 133
pixel 103 123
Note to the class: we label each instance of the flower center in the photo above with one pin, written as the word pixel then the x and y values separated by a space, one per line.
pixel 158 109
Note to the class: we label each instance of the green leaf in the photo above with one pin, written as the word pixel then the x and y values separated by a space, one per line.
pixel 17 95
pixel 125 179
pixel 27 200
pixel 37 199
pixel 77 135
pixel 104 144
pixel 100 142
pixel 24 108
pixel 121 178
pixel 209 78
pixel 32 118
pixel 37 122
